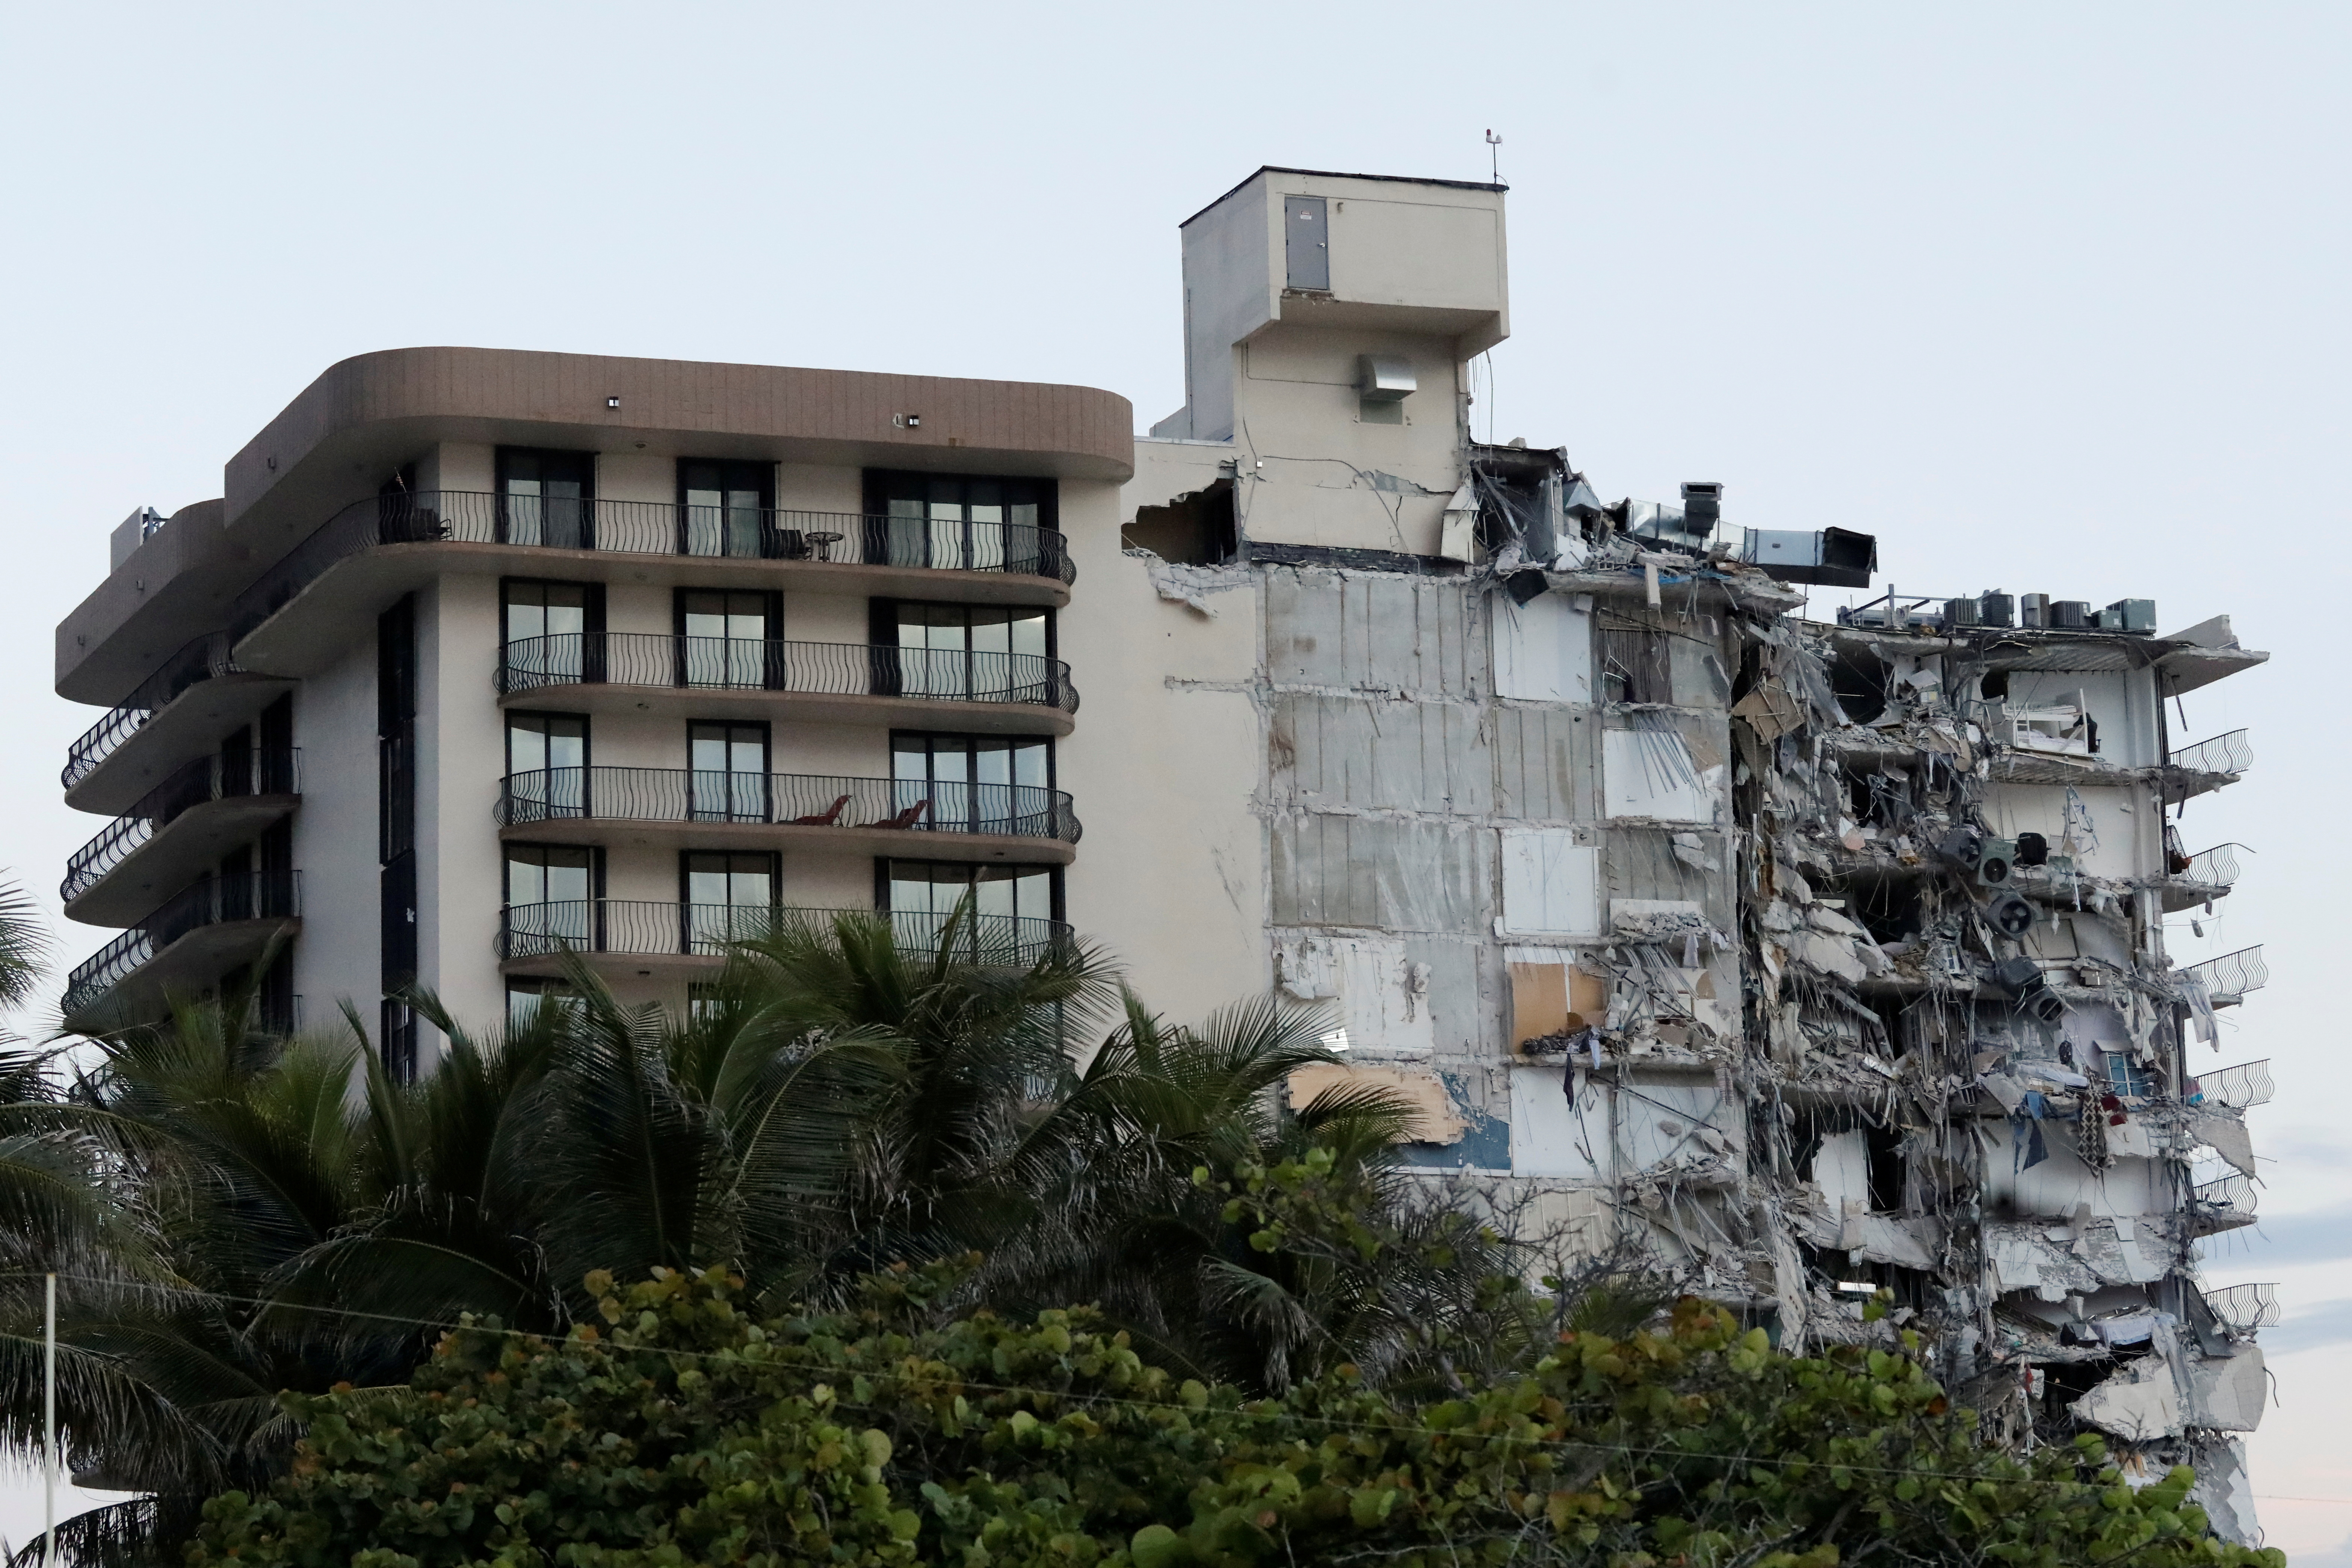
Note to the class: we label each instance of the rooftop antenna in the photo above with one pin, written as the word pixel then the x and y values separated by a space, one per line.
pixel 1493 157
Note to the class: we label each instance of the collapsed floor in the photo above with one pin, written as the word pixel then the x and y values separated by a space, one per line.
pixel 1830 957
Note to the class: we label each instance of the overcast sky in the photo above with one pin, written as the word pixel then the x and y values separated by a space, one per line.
pixel 2047 303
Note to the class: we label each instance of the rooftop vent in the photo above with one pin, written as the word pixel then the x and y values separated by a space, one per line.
pixel 1385 378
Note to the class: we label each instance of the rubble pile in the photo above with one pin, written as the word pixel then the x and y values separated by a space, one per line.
pixel 1953 1052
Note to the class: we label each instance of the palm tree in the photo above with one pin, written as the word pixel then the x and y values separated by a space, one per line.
pixel 240 1213
pixel 25 946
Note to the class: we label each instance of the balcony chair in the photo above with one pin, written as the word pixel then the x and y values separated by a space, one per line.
pixel 826 819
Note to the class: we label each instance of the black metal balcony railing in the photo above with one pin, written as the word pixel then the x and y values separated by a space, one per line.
pixel 202 659
pixel 2214 867
pixel 2242 1087
pixel 641 928
pixel 835 669
pixel 2245 1308
pixel 803 800
pixel 2232 753
pixel 2232 974
pixel 653 527
pixel 215 900
pixel 207 779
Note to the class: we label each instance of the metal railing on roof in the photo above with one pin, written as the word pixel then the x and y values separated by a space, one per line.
pixel 655 528
pixel 2245 1308
pixel 273 771
pixel 214 900
pixel 794 800
pixel 2232 753
pixel 200 660
pixel 2242 1087
pixel 641 928
pixel 2232 974
pixel 837 669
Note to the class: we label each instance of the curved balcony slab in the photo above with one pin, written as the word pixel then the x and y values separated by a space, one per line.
pixel 881 713
pixel 839 683
pixel 187 942
pixel 625 937
pixel 183 729
pixel 196 959
pixel 300 614
pixel 680 808
pixel 183 847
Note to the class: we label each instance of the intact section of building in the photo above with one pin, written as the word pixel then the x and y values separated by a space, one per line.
pixel 1813 957
pixel 485 655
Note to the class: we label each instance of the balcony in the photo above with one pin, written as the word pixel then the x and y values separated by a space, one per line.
pixel 1018 693
pixel 628 936
pixel 2207 765
pixel 2227 1203
pixel 2242 1087
pixel 2245 1308
pixel 185 706
pixel 187 942
pixel 2227 979
pixel 680 808
pixel 374 551
pixel 202 810
pixel 2206 876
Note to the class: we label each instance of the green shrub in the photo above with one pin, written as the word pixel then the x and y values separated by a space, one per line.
pixel 682 1432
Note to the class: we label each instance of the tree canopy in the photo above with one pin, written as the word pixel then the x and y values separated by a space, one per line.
pixel 675 1430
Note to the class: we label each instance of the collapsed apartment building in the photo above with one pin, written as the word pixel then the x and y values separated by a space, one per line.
pixel 1819 956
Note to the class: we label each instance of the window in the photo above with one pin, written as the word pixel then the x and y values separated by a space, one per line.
pixel 525 996
pixel 2128 1078
pixel 989 653
pixel 959 523
pixel 1008 899
pixel 550 630
pixel 547 765
pixel 729 896
pixel 723 508
pixel 972 783
pixel 725 637
pixel 550 891
pixel 727 777
pixel 545 497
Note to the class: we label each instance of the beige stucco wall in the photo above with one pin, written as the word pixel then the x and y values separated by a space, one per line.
pixel 1162 767
pixel 461 753
pixel 1313 470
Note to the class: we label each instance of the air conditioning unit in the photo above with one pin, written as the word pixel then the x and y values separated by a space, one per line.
pixel 2136 616
pixel 1960 613
pixel 2070 615
pixel 2012 917
pixel 1998 863
pixel 1833 557
pixel 2035 611
pixel 1996 608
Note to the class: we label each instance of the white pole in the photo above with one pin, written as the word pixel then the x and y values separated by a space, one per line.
pixel 49 1428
